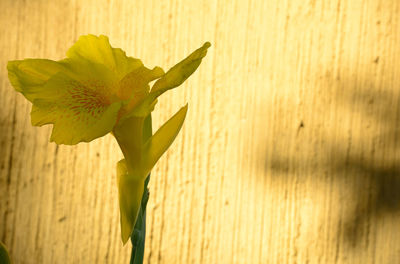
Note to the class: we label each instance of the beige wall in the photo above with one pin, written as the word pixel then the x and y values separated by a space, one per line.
pixel 289 154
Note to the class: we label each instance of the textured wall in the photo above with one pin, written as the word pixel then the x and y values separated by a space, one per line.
pixel 289 154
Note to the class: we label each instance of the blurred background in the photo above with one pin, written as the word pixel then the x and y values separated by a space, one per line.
pixel 289 154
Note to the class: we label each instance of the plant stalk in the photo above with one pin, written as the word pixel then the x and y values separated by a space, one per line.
pixel 138 236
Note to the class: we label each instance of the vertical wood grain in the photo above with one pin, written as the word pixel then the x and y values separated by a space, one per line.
pixel 289 153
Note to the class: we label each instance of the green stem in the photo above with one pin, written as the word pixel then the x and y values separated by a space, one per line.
pixel 139 232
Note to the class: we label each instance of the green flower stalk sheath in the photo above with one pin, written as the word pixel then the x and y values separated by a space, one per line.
pixel 4 256
pixel 98 90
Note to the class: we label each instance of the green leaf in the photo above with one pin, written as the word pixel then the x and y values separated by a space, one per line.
pixel 4 256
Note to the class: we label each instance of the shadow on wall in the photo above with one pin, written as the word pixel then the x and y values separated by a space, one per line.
pixel 380 199
pixel 380 168
pixel 370 166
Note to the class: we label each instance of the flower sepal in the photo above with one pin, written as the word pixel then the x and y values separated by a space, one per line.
pixel 130 191
pixel 140 157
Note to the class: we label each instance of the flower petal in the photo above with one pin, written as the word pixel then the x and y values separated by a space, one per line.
pixel 79 101
pixel 98 50
pixel 134 86
pixel 130 192
pixel 162 139
pixel 173 78
pixel 181 71
pixel 80 110
pixel 27 76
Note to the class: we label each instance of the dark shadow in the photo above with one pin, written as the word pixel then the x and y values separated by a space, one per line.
pixel 373 175
pixel 377 193
pixel 380 173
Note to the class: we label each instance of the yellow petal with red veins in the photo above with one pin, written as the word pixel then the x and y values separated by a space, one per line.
pixel 79 101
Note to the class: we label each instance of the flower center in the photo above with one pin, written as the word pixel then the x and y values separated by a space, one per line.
pixel 91 98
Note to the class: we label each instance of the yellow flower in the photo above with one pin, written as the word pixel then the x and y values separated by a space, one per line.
pixel 85 94
pixel 97 89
